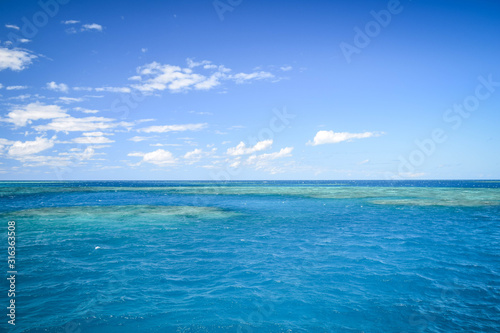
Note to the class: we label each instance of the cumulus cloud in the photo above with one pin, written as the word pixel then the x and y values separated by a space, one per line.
pixel 23 115
pixel 284 152
pixel 83 88
pixel 4 143
pixel 173 128
pixel 266 161
pixel 193 154
pixel 85 110
pixel 158 157
pixel 245 77
pixel 72 124
pixel 114 89
pixel 16 87
pixel 197 154
pixel 157 77
pixel 15 59
pixel 138 138
pixel 20 148
pixel 57 87
pixel 242 149
pixel 93 138
pixel 92 27
pixel 323 137
pixel 75 27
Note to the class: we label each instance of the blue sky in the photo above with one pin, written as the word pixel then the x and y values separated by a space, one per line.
pixel 229 90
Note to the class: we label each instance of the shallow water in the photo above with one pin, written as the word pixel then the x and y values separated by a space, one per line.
pixel 255 256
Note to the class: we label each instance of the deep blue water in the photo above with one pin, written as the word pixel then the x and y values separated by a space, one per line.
pixel 276 256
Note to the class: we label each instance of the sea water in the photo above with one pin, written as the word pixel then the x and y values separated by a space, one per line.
pixel 295 256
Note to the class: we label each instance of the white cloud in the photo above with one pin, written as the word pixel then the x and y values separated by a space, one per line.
pixel 323 137
pixel 284 152
pixel 157 77
pixel 96 134
pixel 85 110
pixel 83 88
pixel 76 27
pixel 41 161
pixel 196 155
pixel 138 138
pixel 12 26
pixel 92 27
pixel 87 154
pixel 22 115
pixel 114 89
pixel 95 139
pixel 15 59
pixel 23 97
pixel 244 77
pixel 173 128
pixel 57 87
pixel 174 78
pixel 1 86
pixel 265 161
pixel 4 143
pixel 202 113
pixel 71 124
pixel 20 148
pixel 136 154
pixel 193 154
pixel 165 144
pixel 159 157
pixel 191 63
pixel 242 149
pixel 16 87
pixel 286 68
pixel 68 100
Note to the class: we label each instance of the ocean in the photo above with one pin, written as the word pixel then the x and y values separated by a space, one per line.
pixel 253 256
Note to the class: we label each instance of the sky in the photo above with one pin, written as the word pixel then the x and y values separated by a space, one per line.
pixel 238 89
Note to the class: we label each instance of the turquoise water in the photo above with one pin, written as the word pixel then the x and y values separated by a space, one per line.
pixel 346 256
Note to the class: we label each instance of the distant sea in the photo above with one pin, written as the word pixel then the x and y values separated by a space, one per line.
pixel 253 256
